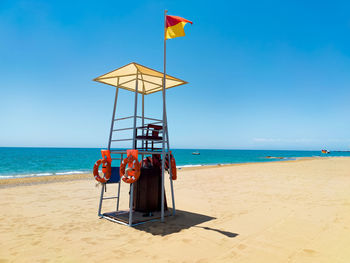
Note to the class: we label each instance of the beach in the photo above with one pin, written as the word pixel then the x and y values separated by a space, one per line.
pixel 286 211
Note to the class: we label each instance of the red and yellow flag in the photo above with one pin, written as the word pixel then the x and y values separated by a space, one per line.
pixel 175 26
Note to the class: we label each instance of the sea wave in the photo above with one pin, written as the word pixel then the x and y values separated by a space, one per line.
pixel 24 175
pixel 191 165
pixel 200 165
pixel 73 172
pixel 12 176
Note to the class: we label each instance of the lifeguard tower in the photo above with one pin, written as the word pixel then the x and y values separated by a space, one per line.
pixel 149 140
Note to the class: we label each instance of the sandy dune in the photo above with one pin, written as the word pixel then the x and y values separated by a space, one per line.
pixel 270 212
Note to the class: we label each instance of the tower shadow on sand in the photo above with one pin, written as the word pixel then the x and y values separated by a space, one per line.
pixel 181 221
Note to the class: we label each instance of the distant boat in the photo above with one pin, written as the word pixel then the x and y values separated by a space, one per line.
pixel 196 153
pixel 325 151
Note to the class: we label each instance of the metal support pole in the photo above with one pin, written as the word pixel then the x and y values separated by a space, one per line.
pixel 101 198
pixel 163 168
pixel 164 122
pixel 134 147
pixel 120 182
pixel 143 121
pixel 117 209
pixel 131 203
pixel 170 171
pixel 109 146
pixel 113 118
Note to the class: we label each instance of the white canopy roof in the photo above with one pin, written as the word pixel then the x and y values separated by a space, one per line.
pixel 150 80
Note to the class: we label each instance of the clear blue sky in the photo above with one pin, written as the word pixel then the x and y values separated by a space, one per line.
pixel 262 74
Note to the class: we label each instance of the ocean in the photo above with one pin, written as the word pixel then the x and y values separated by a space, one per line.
pixel 27 162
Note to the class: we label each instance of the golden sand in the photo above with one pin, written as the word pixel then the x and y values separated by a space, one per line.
pixel 269 212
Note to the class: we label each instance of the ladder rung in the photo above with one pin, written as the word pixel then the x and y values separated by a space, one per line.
pixel 140 117
pixel 146 118
pixel 121 140
pixel 119 119
pixel 123 129
pixel 144 139
pixel 131 128
pixel 113 197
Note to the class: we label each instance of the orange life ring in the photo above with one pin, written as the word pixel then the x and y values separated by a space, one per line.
pixel 132 173
pixel 173 166
pixel 106 168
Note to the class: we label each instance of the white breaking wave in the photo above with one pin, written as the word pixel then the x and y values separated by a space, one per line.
pixel 73 172
pixel 190 165
pixel 40 174
pixel 24 175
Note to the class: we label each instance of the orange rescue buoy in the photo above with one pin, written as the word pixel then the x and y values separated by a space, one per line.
pixel 132 173
pixel 173 166
pixel 106 168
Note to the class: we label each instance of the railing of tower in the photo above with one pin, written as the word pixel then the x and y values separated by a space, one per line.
pixel 143 149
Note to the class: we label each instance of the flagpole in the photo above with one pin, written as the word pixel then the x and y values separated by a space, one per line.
pixel 164 66
pixel 164 121
pixel 164 55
